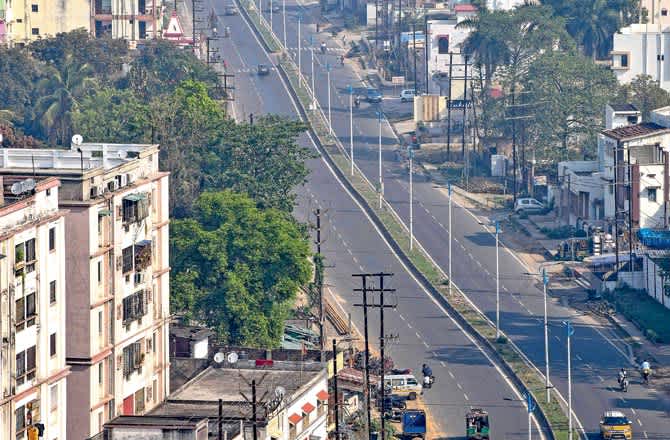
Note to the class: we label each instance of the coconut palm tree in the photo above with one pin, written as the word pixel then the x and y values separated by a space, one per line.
pixel 61 91
pixel 592 23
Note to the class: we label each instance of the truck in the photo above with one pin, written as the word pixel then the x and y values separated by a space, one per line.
pixel 413 424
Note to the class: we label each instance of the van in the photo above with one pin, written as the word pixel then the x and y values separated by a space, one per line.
pixel 403 384
pixel 407 95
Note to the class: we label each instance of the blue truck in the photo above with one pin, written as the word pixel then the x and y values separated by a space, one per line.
pixel 413 424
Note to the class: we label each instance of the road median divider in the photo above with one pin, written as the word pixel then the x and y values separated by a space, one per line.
pixel 516 366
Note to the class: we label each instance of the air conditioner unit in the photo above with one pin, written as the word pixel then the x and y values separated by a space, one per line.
pixel 124 180
pixel 112 185
pixel 130 178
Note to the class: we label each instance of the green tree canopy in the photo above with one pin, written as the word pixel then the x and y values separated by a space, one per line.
pixel 237 267
pixel 645 93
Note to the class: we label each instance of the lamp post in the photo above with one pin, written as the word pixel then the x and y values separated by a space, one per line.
pixel 570 332
pixel 271 29
pixel 497 279
pixel 545 282
pixel 284 21
pixel 351 126
pixel 311 47
pixel 381 178
pixel 299 52
pixel 450 279
pixel 330 123
pixel 411 201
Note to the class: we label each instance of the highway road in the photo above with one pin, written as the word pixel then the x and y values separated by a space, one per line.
pixel 597 352
pixel 465 377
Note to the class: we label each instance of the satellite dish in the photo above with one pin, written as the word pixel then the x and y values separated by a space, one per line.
pixel 219 357
pixel 232 357
pixel 23 186
pixel 16 188
pixel 77 139
pixel 122 154
pixel 280 392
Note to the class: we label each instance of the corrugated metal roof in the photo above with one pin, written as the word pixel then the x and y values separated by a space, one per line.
pixel 635 131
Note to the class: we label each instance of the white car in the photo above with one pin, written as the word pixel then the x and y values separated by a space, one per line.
pixel 407 95
pixel 528 204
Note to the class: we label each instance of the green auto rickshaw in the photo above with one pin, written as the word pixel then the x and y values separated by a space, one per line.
pixel 477 424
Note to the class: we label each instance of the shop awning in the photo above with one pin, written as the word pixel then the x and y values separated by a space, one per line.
pixel 104 213
pixel 294 418
pixel 322 395
pixel 308 408
pixel 135 197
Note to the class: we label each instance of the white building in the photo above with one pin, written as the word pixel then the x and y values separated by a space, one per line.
pixel 33 371
pixel 117 275
pixel 641 49
pixel 505 5
pixel 132 20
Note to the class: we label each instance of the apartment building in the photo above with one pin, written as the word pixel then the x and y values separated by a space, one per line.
pixel 22 21
pixel 134 20
pixel 117 274
pixel 33 372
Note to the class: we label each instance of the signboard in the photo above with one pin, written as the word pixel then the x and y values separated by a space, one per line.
pixel 397 80
pixel 539 180
pixel 408 37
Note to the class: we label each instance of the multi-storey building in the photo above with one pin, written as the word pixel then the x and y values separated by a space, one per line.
pixel 33 371
pixel 118 276
pixel 22 21
pixel 130 19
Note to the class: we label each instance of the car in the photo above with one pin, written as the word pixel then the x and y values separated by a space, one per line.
pixel 527 205
pixel 614 425
pixel 230 10
pixel 275 8
pixel 373 95
pixel 407 95
pixel 403 385
pixel 263 69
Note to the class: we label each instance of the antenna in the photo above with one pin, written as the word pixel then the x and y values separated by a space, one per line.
pixel 77 139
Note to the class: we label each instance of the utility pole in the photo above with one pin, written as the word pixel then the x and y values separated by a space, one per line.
pixel 410 152
pixel 630 217
pixel 497 280
pixel 319 280
pixel 376 25
pixel 570 332
pixel 284 21
pixel 337 401
pixel 451 71
pixel 465 106
pixel 364 289
pixel 251 119
pixel 330 121
pixel 254 406
pixel 351 127
pixel 545 282
pixel 616 209
pixel 220 420
pixel 514 163
pixel 414 51
pixel 381 175
pixel 299 49
pixel 425 47
pixel 381 305
pixel 450 240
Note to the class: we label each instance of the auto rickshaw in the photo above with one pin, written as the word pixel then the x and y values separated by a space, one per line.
pixel 477 424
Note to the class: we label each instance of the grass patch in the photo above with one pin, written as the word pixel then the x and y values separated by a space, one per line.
pixel 647 313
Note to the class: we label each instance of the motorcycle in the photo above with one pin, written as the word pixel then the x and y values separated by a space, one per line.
pixel 357 102
pixel 623 385
pixel 323 47
pixel 645 375
pixel 428 381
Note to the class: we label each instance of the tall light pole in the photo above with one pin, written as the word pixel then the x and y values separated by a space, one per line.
pixel 299 52
pixel 271 16
pixel 284 20
pixel 450 279
pixel 381 178
pixel 497 280
pixel 311 47
pixel 545 282
pixel 330 122
pixel 411 200
pixel 570 332
pixel 351 126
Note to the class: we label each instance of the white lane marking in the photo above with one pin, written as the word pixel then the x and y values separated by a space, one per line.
pixel 557 338
pixel 425 344
pixel 645 434
pixel 459 386
pixel 579 358
pixel 633 409
pixel 409 325
pixel 601 379
pixel 418 336
pixel 466 396
pixel 442 363
pixel 639 422
pixel 401 317
pixel 355 260
pixel 451 374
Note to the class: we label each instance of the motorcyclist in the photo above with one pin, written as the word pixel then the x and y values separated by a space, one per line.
pixel 427 376
pixel 646 370
pixel 342 60
pixel 357 101
pixel 622 375
pixel 323 47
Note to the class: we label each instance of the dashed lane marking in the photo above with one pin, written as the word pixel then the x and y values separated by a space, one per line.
pixel 451 374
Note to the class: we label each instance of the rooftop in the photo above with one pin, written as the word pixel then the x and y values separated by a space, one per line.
pixel 624 108
pixel 635 131
pixel 164 422
pixel 190 332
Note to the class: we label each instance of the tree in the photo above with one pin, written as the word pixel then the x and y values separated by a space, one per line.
pixel 61 92
pixel 645 93
pixel 570 93
pixel 19 73
pixel 112 115
pixel 237 267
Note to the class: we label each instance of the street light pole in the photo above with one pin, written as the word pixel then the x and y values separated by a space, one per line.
pixel 284 20
pixel 351 127
pixel 271 29
pixel 313 89
pixel 545 281
pixel 450 278
pixel 497 279
pixel 411 201
pixel 570 331
pixel 330 121
pixel 299 52
pixel 381 179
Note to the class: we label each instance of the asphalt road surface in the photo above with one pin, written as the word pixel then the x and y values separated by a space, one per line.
pixel 464 376
pixel 597 352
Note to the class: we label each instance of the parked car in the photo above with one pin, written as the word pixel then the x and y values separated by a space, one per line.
pixel 527 205
pixel 373 95
pixel 407 95
pixel 263 69
pixel 230 10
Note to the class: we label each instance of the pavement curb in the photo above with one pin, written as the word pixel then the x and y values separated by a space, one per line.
pixel 485 344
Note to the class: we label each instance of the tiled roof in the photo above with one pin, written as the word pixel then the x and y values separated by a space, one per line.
pixel 635 131
pixel 308 408
pixel 465 8
pixel 294 418
pixel 322 395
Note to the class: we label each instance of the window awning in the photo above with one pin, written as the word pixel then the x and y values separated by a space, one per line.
pixel 104 213
pixel 135 197
pixel 308 408
pixel 322 395
pixel 294 418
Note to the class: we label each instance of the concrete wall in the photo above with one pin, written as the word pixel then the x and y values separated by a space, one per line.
pixel 641 43
pixel 653 281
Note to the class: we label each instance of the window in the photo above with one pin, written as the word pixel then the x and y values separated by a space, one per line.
pixel 100 322
pixel 133 307
pixel 624 60
pixel 20 419
pixel 24 257
pixel 53 391
pixel 34 8
pixel 127 259
pixel 100 272
pixel 52 344
pixel 52 239
pixel 651 194
pixel 35 31
pixel 664 12
pixel 101 368
pixel 132 358
pixel 142 28
pixel 443 44
pixel 139 401
pixel 25 311
pixel 52 292
pixel 135 208
pixel 25 365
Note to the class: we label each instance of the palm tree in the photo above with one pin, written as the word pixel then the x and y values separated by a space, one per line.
pixel 592 23
pixel 61 92
pixel 6 118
